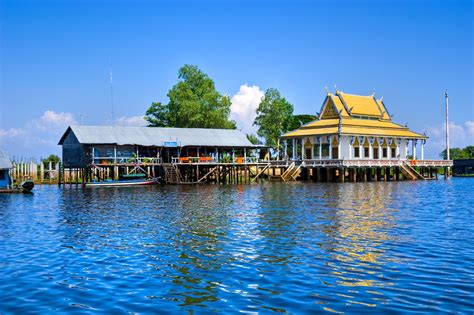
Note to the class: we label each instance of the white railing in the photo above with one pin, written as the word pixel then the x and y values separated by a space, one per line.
pixel 434 163
pixel 373 163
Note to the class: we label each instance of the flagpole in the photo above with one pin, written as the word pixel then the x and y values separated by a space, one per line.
pixel 447 125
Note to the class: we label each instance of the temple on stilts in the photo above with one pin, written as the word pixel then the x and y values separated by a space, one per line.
pixel 355 139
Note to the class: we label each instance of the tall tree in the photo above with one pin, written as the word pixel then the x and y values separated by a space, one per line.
pixel 457 153
pixel 299 120
pixel 274 115
pixel 51 158
pixel 194 102
pixel 253 138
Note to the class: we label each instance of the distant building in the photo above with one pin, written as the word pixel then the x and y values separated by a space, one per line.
pixel 354 127
pixel 5 167
pixel 86 145
pixel 464 167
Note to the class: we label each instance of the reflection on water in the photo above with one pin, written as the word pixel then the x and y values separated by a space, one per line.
pixel 293 247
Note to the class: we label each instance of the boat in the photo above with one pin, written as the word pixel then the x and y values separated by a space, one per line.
pixel 27 185
pixel 125 182
pixel 7 184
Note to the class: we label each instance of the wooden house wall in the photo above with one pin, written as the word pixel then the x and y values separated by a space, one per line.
pixel 73 152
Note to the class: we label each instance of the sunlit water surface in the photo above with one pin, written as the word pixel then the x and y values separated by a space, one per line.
pixel 402 247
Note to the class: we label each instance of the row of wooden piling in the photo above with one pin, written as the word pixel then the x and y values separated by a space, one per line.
pixel 53 173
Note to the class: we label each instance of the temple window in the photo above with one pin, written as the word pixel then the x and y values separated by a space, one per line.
pixel 376 153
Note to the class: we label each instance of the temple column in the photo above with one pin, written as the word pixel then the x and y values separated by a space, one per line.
pixel 339 148
pixel 413 149
pixel 302 149
pixel 397 149
pixel 371 151
pixel 422 149
pixel 320 149
pixel 294 149
pixel 330 148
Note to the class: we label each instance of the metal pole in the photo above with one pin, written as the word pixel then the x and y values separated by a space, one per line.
pixel 447 126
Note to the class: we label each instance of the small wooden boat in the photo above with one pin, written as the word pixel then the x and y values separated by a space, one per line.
pixel 128 182
pixel 27 185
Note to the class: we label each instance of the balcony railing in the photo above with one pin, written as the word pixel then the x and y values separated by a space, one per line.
pixel 211 160
pixel 125 160
pixel 374 163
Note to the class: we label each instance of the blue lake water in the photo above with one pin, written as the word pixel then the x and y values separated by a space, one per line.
pixel 398 247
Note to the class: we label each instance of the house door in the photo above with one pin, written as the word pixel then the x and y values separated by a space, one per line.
pixel 335 153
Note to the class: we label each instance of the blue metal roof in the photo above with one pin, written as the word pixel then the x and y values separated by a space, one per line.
pixel 155 136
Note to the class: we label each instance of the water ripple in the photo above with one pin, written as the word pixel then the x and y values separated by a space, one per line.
pixel 402 247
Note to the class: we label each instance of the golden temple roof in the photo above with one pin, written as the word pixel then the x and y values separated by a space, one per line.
pixel 353 115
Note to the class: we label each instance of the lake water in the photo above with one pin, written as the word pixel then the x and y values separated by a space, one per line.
pixel 398 247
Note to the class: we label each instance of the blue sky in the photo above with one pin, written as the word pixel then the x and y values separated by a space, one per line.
pixel 54 60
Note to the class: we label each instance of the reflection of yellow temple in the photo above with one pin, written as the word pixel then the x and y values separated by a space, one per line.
pixel 360 230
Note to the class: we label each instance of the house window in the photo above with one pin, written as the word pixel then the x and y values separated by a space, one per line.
pixel 366 152
pixel 384 152
pixel 356 152
pixel 394 153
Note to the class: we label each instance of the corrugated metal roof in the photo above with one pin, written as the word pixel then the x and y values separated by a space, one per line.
pixel 155 136
pixel 5 162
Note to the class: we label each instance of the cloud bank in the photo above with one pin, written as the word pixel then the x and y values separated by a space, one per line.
pixel 460 136
pixel 244 105
pixel 132 121
pixel 39 137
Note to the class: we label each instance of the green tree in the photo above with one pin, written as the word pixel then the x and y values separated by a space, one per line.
pixel 274 116
pixel 299 120
pixel 253 138
pixel 455 154
pixel 194 102
pixel 52 158
pixel 469 151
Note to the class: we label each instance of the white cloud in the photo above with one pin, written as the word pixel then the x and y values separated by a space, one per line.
pixel 51 117
pixel 38 137
pixel 244 105
pixel 460 136
pixel 138 121
pixel 10 133
pixel 470 129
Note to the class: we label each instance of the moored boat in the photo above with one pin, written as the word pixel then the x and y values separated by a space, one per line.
pixel 127 182
pixel 6 182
